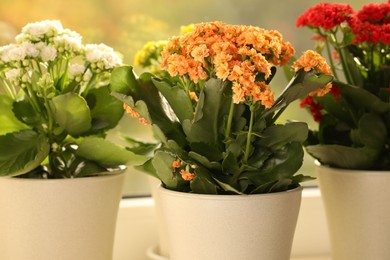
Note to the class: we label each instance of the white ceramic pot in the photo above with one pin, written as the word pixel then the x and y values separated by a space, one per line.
pixel 59 219
pixel 230 227
pixel 162 249
pixel 358 212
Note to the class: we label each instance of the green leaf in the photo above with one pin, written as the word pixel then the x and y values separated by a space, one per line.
pixel 343 156
pixel 277 136
pixel 146 98
pixel 106 110
pixel 25 112
pixel 372 131
pixel 107 153
pixel 162 163
pixel 123 80
pixel 21 152
pixel 230 165
pixel 213 105
pixel 282 164
pixel 139 147
pixel 203 183
pixel 228 188
pixel 300 86
pixel 147 167
pixel 204 161
pixel 361 98
pixel 183 109
pixel 8 121
pixel 72 113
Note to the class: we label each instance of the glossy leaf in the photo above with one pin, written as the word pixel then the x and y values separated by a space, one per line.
pixel 213 104
pixel 8 121
pixel 22 151
pixel 106 153
pixel 162 163
pixel 343 156
pixel 139 92
pixel 72 113
pixel 183 109
pixel 106 111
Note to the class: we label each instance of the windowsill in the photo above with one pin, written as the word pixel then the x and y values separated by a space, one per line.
pixel 137 229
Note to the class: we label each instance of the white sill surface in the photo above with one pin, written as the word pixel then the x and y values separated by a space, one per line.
pixel 137 229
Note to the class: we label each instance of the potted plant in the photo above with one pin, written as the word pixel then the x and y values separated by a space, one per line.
pixel 61 178
pixel 224 160
pixel 351 142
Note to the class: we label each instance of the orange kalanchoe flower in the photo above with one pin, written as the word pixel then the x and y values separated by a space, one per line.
pixel 312 60
pixel 175 164
pixel 130 111
pixel 187 175
pixel 134 114
pixel 243 55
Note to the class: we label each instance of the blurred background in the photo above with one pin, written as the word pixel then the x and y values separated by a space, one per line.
pixel 126 25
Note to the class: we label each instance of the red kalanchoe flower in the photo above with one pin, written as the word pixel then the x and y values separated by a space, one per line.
pixel 374 13
pixel 335 91
pixel 371 24
pixel 325 15
pixel 313 106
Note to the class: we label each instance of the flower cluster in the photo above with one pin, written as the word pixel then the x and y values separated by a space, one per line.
pixel 240 54
pixel 372 24
pixel 357 44
pixel 214 111
pixel 52 51
pixel 55 90
pixel 325 15
pixel 149 57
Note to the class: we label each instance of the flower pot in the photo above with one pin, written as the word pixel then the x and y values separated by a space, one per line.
pixel 59 218
pixel 162 247
pixel 223 227
pixel 357 209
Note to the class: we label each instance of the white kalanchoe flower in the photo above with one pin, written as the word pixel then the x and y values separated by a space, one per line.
pixel 102 57
pixel 13 75
pixel 39 31
pixel 76 71
pixel 45 81
pixel 68 41
pixel 14 53
pixel 48 53
pixel 87 76
pixel 4 52
pixel 31 49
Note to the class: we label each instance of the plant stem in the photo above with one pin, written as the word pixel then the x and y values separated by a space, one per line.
pixel 332 66
pixel 49 119
pixel 249 135
pixel 230 120
pixel 340 51
pixel 33 99
pixel 9 89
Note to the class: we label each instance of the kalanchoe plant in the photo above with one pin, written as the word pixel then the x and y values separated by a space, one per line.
pixel 354 118
pixel 216 115
pixel 55 105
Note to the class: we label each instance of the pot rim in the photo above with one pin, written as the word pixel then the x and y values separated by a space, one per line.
pixel 228 197
pixel 336 170
pixel 113 174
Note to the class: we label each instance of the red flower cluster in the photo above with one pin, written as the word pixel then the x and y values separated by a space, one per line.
pixel 325 15
pixel 315 108
pixel 372 24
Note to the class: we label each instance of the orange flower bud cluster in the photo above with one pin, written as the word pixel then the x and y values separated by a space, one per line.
pixel 243 55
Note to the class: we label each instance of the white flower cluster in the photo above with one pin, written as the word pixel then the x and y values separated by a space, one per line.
pixel 46 47
pixel 101 57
